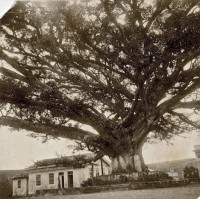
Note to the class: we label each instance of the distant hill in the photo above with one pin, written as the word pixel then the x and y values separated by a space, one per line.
pixel 6 182
pixel 8 174
pixel 176 165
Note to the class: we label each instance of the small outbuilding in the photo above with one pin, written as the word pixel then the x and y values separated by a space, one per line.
pixel 20 184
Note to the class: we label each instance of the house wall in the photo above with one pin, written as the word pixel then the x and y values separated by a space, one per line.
pixel 97 169
pixel 20 191
pixel 78 176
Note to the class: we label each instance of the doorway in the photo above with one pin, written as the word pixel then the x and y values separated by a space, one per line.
pixel 61 181
pixel 70 179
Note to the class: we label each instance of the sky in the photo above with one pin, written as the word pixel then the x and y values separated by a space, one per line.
pixel 18 150
pixel 5 5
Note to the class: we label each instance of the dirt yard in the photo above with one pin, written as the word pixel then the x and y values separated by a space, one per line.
pixel 189 192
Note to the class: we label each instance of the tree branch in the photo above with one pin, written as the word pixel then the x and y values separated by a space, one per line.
pixel 13 74
pixel 13 63
pixel 188 105
pixel 52 130
pixel 161 5
pixel 174 100
pixel 185 119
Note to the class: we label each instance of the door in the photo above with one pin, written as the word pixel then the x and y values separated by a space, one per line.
pixel 70 179
pixel 61 180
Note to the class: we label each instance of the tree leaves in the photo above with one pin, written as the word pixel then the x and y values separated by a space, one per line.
pixel 119 67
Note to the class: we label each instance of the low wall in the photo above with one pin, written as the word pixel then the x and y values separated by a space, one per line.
pixel 122 178
pixel 117 177
pixel 131 176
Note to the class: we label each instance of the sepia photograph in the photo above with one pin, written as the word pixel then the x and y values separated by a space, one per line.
pixel 99 99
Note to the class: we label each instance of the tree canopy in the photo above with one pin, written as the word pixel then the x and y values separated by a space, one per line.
pixel 125 68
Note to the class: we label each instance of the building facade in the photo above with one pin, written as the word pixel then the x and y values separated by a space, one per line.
pixel 58 174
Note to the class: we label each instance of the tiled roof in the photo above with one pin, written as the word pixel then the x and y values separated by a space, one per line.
pixel 75 161
pixel 20 175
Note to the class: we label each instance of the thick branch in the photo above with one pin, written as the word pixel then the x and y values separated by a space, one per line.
pixel 52 130
pixel 188 105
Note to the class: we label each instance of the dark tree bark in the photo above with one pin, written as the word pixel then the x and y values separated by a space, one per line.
pixel 129 162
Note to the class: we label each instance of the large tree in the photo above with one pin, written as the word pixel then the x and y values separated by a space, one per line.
pixel 108 73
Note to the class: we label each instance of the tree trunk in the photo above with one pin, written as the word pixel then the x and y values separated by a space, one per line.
pixel 129 162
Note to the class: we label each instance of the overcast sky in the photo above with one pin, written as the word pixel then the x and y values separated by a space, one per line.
pixel 17 150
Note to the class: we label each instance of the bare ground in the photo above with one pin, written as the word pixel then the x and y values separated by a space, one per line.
pixel 189 192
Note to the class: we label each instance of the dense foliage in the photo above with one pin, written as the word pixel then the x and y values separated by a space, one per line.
pixel 108 73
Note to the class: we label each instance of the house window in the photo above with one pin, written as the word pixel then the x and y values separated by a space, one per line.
pixel 19 183
pixel 51 178
pixel 38 180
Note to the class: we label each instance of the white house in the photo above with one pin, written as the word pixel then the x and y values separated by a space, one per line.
pixel 58 173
